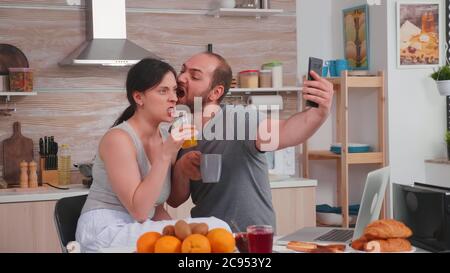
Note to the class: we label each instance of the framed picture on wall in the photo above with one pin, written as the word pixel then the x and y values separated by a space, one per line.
pixel 356 37
pixel 419 34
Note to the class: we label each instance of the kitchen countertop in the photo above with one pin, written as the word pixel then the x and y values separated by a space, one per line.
pixel 50 194
pixel 46 194
pixel 291 182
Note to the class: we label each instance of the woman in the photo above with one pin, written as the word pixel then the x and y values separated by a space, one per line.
pixel 133 164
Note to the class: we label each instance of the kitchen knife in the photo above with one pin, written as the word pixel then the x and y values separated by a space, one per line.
pixel 45 153
pixel 56 155
pixel 41 147
pixel 52 157
pixel 52 144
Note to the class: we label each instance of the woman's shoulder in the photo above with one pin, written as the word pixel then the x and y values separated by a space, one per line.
pixel 116 135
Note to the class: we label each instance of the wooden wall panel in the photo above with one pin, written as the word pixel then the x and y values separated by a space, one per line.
pixel 244 42
pixel 47 36
pixel 80 118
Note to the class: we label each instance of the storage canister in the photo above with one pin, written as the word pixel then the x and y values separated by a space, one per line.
pixel 265 78
pixel 21 79
pixel 277 73
pixel 4 83
pixel 248 79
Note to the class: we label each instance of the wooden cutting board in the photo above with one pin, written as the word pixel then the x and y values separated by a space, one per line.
pixel 15 149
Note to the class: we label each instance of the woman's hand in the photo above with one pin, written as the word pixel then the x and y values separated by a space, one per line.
pixel 176 138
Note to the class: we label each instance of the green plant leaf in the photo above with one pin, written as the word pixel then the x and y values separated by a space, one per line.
pixel 442 74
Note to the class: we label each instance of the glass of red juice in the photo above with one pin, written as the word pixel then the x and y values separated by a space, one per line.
pixel 242 242
pixel 260 239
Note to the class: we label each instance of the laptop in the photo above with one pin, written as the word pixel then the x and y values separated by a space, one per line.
pixel 369 211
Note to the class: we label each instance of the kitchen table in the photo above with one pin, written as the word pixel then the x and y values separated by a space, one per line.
pixel 277 248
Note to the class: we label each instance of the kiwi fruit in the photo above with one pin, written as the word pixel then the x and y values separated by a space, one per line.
pixel 192 226
pixel 201 228
pixel 169 230
pixel 182 229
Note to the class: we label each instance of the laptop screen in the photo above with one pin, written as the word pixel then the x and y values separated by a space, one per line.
pixel 372 200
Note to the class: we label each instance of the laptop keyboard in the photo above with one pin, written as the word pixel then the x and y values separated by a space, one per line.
pixel 336 235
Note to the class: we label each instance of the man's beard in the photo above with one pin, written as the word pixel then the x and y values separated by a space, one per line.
pixel 205 100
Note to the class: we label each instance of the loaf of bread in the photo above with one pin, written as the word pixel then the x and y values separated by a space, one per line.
pixel 389 245
pixel 384 236
pixel 386 229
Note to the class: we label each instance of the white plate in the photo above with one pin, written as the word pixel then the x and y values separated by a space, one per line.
pixel 284 249
pixel 413 249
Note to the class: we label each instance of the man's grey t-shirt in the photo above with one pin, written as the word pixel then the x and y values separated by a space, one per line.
pixel 243 194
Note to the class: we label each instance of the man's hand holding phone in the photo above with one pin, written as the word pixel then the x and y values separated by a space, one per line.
pixel 318 91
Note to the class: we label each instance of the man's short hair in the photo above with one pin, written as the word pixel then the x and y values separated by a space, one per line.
pixel 222 75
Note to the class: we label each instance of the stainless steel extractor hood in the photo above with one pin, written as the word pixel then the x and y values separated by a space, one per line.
pixel 106 35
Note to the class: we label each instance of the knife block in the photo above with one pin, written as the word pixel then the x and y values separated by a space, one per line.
pixel 48 176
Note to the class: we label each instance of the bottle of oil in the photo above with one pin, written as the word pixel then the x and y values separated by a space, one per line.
pixel 64 163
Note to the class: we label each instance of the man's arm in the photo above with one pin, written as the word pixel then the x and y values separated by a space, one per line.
pixel 184 169
pixel 278 134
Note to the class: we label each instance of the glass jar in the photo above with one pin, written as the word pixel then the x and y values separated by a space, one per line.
pixel 248 4
pixel 277 73
pixel 249 79
pixel 21 79
pixel 265 78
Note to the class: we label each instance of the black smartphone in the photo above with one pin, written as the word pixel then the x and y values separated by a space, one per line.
pixel 315 65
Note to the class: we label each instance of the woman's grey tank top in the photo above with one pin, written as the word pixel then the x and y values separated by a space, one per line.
pixel 101 195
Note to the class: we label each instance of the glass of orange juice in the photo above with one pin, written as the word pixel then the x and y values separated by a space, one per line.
pixel 181 120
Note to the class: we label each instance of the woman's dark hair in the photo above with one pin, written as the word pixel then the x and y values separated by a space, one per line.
pixel 146 74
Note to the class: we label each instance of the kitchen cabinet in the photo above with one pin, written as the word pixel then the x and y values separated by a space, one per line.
pixel 27 219
pixel 28 227
pixel 295 207
pixel 437 172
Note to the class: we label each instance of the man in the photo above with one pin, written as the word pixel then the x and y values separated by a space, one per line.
pixel 242 197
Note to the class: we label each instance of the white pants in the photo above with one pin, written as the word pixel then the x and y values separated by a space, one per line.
pixel 104 228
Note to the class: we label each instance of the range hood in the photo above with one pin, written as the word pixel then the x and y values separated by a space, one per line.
pixel 106 34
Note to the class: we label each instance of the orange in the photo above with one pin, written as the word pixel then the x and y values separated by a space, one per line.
pixel 196 243
pixel 146 242
pixel 221 240
pixel 168 244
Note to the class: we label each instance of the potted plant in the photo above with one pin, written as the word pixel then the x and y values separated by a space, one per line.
pixel 442 78
pixel 447 140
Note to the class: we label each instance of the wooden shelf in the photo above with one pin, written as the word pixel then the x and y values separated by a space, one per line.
pixel 359 81
pixel 322 155
pixel 443 161
pixel 250 90
pixel 258 13
pixel 9 94
pixel 342 85
pixel 18 93
pixel 353 158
